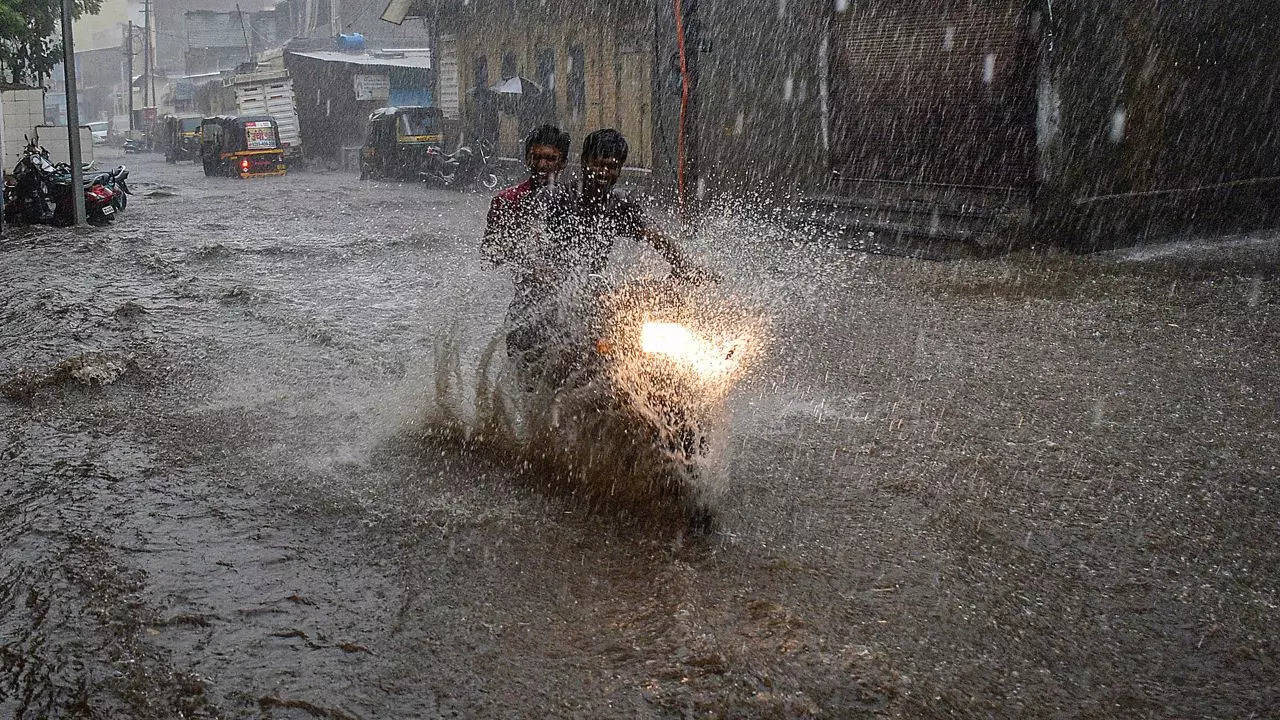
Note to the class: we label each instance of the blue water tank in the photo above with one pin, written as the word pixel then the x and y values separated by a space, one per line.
pixel 351 41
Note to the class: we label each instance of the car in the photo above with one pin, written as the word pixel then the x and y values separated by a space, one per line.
pixel 99 131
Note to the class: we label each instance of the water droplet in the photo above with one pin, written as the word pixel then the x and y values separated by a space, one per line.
pixel 1118 120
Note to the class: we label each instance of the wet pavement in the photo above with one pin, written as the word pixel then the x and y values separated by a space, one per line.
pixel 1026 487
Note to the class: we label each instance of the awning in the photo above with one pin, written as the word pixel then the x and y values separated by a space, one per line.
pixel 516 86
pixel 416 61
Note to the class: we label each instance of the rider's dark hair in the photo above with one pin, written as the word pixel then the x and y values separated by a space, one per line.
pixel 606 143
pixel 547 135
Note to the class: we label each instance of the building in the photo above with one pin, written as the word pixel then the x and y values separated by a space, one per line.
pixel 100 86
pixel 593 60
pixel 1084 124
pixel 1089 123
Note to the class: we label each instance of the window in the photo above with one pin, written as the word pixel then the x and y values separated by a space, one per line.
pixel 482 71
pixel 508 65
pixel 546 69
pixel 576 89
pixel 416 123
pixel 545 75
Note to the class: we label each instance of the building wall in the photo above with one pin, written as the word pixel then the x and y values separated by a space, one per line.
pixel 758 68
pixel 329 115
pixel 615 38
pixel 1153 97
pixel 172 34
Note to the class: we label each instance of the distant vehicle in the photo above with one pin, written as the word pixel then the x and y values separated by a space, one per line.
pixel 99 131
pixel 400 142
pixel 269 93
pixel 180 137
pixel 467 168
pixel 243 147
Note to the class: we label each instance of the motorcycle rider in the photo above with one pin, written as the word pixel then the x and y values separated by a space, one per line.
pixel 515 210
pixel 582 223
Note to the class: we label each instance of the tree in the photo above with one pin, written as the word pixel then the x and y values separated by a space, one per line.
pixel 30 32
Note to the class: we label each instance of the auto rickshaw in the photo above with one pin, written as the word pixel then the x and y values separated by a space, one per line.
pixel 401 141
pixel 244 147
pixel 180 135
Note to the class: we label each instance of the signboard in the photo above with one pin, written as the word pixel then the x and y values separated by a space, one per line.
pixel 259 135
pixel 372 87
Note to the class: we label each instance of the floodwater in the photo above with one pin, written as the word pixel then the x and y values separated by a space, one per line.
pixel 1027 487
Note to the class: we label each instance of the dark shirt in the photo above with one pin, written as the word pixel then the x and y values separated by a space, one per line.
pixel 550 236
pixel 581 232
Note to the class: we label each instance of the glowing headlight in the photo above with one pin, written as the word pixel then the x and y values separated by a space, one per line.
pixel 675 341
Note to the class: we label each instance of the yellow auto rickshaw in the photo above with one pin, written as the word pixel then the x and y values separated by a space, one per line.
pixel 401 141
pixel 180 136
pixel 245 147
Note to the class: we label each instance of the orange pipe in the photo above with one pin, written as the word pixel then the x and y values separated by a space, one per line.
pixel 684 101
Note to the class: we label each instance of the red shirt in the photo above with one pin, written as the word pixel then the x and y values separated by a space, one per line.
pixel 510 216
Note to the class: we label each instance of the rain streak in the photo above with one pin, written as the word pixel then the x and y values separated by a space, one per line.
pixel 611 359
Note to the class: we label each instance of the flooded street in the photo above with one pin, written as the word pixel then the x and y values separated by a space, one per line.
pixel 1035 486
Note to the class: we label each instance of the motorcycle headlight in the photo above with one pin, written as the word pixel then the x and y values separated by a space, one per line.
pixel 709 359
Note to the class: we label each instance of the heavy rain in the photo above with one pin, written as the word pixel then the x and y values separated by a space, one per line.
pixel 610 359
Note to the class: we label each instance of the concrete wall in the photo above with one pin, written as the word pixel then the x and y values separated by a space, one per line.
pixel 1166 119
pixel 23 111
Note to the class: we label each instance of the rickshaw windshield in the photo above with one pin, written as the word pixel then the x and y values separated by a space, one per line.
pixel 189 124
pixel 417 124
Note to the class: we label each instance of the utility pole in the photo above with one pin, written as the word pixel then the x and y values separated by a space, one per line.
pixel 248 50
pixel 73 112
pixel 128 63
pixel 146 50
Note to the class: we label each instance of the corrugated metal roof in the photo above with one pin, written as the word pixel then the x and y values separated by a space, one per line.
pixel 207 29
pixel 421 62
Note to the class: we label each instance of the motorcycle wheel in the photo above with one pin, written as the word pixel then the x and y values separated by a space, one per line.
pixel 488 180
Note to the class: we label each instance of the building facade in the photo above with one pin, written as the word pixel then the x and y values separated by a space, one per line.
pixel 1084 122
pixel 593 61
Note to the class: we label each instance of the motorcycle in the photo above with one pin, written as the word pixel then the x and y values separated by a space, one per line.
pixel 41 191
pixel 27 195
pixel 115 181
pixel 627 387
pixel 467 167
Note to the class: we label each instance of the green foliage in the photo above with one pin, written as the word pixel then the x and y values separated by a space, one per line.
pixel 30 36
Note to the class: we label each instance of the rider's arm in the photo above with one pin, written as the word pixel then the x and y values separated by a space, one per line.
pixel 670 251
pixel 496 245
pixel 681 265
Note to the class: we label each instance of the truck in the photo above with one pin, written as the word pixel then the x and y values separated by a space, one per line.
pixel 267 92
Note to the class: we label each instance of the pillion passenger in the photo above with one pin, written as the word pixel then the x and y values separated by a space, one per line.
pixel 515 213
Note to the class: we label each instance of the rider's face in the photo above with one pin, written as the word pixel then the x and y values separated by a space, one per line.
pixel 601 173
pixel 544 161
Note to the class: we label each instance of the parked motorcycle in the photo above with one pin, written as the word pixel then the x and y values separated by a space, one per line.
pixel 468 167
pixel 115 181
pixel 41 191
pixel 28 195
